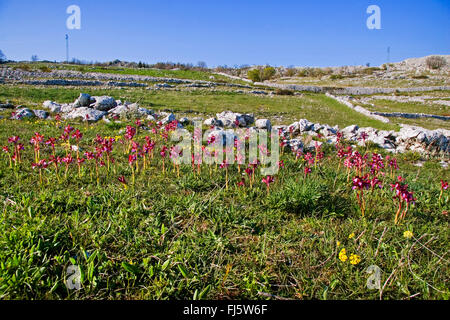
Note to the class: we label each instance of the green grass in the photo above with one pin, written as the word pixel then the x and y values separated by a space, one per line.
pixel 314 107
pixel 186 237
pixel 427 123
pixel 439 94
pixel 413 107
pixel 383 105
pixel 358 82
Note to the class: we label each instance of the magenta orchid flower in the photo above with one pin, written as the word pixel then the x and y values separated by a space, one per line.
pixel 403 196
pixel 241 183
pixel 268 181
pixel 360 184
pixel 123 181
pixel 444 186
pixel 306 171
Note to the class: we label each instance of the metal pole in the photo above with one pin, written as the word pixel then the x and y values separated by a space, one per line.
pixel 67 48
pixel 388 56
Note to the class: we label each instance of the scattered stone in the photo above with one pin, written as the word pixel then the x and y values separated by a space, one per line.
pixel 119 110
pixel 138 111
pixel 131 110
pixel 169 118
pixel 41 114
pixel 327 131
pixel 350 132
pixel 303 125
pixel 184 121
pixel 257 92
pixel 104 103
pixel 84 100
pixel 316 127
pixel 295 144
pixel 263 124
pixel 66 108
pixel 213 122
pixel 23 113
pixel 223 135
pixel 409 138
pixel 84 114
pixel 53 106
pixel 163 85
pixel 231 119
pixel 6 106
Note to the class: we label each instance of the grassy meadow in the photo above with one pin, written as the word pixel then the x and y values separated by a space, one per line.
pixel 190 233
pixel 314 107
pixel 140 227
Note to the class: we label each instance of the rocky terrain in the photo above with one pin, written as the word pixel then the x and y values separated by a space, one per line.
pixel 92 109
pixel 96 108
pixel 419 64
pixel 77 78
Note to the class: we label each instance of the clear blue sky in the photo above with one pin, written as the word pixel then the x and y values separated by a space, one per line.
pixel 232 32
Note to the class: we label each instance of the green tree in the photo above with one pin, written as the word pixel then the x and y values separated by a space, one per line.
pixel 268 73
pixel 254 75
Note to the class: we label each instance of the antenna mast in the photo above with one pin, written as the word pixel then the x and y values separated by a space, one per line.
pixel 67 48
pixel 388 57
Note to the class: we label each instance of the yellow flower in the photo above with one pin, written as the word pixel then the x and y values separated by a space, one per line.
pixel 343 255
pixel 408 234
pixel 338 243
pixel 355 259
pixel 352 235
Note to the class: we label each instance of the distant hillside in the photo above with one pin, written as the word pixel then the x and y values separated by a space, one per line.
pixel 420 64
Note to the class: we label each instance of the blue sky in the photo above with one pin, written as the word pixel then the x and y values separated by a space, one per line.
pixel 231 32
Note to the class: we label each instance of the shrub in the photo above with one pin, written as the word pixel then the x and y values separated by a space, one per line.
pixel 259 74
pixel 268 73
pixel 284 92
pixel 370 70
pixel 422 76
pixel 301 72
pixel 254 75
pixel 45 69
pixel 314 72
pixel 336 77
pixel 435 62
pixel 290 72
pixel 23 66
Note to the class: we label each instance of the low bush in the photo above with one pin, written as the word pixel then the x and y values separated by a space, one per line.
pixel 436 62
